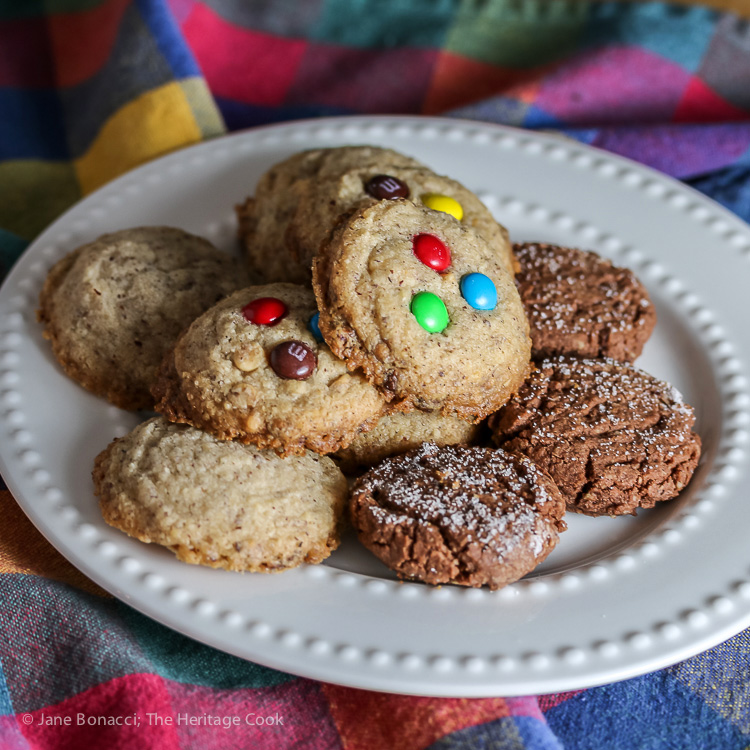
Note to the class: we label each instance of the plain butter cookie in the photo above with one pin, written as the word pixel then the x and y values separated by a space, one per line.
pixel 220 503
pixel 112 309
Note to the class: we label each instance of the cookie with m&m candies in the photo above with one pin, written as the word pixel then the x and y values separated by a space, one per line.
pixel 329 199
pixel 253 368
pixel 392 304
pixel 299 201
pixel 281 225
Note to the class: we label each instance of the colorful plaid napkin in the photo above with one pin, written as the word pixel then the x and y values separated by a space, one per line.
pixel 91 88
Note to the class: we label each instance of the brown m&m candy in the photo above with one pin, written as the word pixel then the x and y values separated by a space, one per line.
pixel 384 187
pixel 293 360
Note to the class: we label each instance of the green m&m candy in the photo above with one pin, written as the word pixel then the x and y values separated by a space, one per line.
pixel 430 312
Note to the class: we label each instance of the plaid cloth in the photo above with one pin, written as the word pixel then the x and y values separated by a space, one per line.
pixel 91 88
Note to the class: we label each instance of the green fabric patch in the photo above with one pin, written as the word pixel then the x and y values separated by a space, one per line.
pixel 517 34
pixel 177 657
pixel 11 248
pixel 385 24
pixel 204 109
pixel 21 8
pixel 29 8
pixel 34 193
pixel 71 6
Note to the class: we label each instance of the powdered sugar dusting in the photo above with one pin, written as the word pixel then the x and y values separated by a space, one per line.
pixel 579 303
pixel 613 437
pixel 471 495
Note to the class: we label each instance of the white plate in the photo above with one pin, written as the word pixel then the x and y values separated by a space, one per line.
pixel 617 598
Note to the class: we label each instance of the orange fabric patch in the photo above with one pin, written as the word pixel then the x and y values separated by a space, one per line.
pixel 82 41
pixel 458 81
pixel 700 103
pixel 365 719
pixel 24 550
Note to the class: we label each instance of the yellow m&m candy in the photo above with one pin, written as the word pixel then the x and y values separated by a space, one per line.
pixel 445 204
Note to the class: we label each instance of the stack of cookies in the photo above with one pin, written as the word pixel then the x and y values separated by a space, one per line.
pixel 381 325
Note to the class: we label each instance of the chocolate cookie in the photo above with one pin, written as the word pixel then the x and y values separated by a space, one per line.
pixel 578 303
pixel 251 368
pixel 399 432
pixel 298 202
pixel 111 309
pixel 471 516
pixel 424 307
pixel 612 437
pixel 220 503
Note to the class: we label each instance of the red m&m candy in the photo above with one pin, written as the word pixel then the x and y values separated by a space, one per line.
pixel 432 252
pixel 265 311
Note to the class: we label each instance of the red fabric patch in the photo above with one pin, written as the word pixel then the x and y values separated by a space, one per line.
pixel 25 58
pixel 82 41
pixel 367 720
pixel 527 706
pixel 373 81
pixel 458 81
pixel 294 714
pixel 700 103
pixel 239 64
pixel 550 701
pixel 81 721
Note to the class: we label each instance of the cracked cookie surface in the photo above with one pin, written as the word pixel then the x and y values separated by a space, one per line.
pixel 581 304
pixel 470 516
pixel 220 503
pixel 232 377
pixel 613 437
pixel 113 308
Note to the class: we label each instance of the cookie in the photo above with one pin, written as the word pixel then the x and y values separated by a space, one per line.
pixel 111 309
pixel 220 503
pixel 399 432
pixel 613 437
pixel 329 200
pixel 275 245
pixel 578 303
pixel 251 368
pixel 471 516
pixel 298 202
pixel 424 307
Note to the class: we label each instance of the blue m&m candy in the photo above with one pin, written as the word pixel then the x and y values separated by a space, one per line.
pixel 314 327
pixel 479 291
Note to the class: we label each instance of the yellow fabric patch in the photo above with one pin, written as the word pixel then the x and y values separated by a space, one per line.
pixel 203 107
pixel 444 204
pixel 155 123
pixel 721 677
